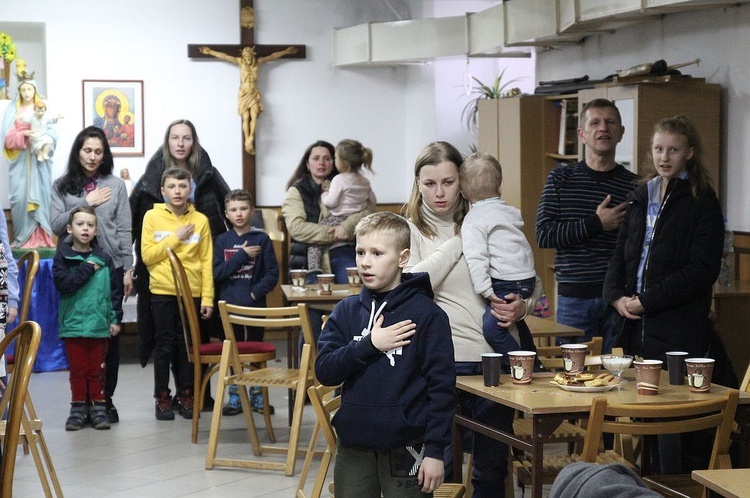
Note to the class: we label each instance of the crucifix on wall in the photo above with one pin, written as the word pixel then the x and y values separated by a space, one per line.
pixel 248 57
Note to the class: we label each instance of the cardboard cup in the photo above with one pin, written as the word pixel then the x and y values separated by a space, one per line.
pixel 647 374
pixel 521 366
pixel 325 283
pixel 699 373
pixel 574 357
pixel 676 367
pixel 353 276
pixel 491 368
pixel 298 277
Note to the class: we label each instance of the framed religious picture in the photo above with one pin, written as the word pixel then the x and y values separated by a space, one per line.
pixel 116 106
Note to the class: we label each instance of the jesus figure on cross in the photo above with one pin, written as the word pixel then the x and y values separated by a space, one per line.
pixel 249 105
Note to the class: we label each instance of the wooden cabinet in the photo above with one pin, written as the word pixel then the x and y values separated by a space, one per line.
pixel 732 308
pixel 524 134
pixel 514 131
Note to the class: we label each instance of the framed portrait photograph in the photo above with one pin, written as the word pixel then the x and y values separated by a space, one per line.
pixel 116 106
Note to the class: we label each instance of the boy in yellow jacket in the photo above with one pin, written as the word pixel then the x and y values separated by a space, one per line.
pixel 176 225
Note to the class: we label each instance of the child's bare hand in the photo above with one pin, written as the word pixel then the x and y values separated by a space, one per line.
pixel 339 233
pixel 114 330
pixel 431 474
pixel 185 232
pixel 252 251
pixel 206 312
pixel 393 336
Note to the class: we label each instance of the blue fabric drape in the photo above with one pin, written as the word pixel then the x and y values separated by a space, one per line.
pixel 43 310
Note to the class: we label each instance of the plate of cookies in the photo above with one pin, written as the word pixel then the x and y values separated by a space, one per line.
pixel 585 382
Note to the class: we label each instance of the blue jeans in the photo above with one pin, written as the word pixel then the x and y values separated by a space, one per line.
pixel 342 257
pixel 496 336
pixel 489 457
pixel 592 315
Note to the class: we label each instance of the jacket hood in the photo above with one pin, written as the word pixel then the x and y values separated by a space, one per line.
pixel 584 480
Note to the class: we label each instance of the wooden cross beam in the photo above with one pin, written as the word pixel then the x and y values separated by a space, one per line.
pixel 248 74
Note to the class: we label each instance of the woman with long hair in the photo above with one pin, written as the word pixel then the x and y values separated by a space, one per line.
pixel 88 181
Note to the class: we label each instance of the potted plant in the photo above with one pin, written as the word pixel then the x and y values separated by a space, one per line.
pixel 496 90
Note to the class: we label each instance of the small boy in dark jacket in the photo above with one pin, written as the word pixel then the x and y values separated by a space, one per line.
pixel 391 348
pixel 245 271
pixel 90 311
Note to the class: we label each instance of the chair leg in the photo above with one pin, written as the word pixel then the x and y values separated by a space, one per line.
pixel 299 405
pixel 267 415
pixel 45 475
pixel 308 461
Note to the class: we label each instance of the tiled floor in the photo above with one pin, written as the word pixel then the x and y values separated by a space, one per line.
pixel 142 457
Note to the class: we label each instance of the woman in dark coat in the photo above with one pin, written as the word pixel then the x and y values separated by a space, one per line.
pixel 668 252
pixel 667 258
pixel 181 148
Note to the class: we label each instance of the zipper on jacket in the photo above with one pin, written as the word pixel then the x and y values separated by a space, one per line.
pixel 667 195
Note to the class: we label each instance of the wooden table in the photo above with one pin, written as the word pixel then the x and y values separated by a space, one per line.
pixel 543 329
pixel 730 483
pixel 311 295
pixel 548 406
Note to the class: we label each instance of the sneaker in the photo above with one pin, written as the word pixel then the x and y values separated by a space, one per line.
pixel 185 403
pixel 98 415
pixel 77 418
pixel 233 406
pixel 164 407
pixel 256 401
pixel 112 414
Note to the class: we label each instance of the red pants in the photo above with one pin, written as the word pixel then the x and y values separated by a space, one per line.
pixel 86 358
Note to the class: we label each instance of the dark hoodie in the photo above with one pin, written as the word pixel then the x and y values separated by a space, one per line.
pixel 400 397
pixel 589 480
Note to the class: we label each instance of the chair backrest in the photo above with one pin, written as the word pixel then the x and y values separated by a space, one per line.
pixel 31 260
pixel 663 418
pixel 551 356
pixel 188 313
pixel 27 337
pixel 271 318
pixel 745 385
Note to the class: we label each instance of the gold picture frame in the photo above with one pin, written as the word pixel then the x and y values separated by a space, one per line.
pixel 116 106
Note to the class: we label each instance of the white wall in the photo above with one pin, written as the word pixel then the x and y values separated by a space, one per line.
pixel 718 37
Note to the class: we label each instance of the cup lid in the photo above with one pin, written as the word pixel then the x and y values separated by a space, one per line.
pixel 521 353
pixel 326 275
pixel 648 362
pixel 700 360
pixel 492 355
pixel 681 353
pixel 574 346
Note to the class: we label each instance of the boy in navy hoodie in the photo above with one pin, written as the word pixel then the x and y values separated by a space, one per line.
pixel 245 271
pixel 391 348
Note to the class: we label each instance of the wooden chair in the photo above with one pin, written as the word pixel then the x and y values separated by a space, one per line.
pixel 567 432
pixel 325 403
pixel 31 436
pixel 31 260
pixel 645 420
pixel 27 337
pixel 205 357
pixel 297 379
